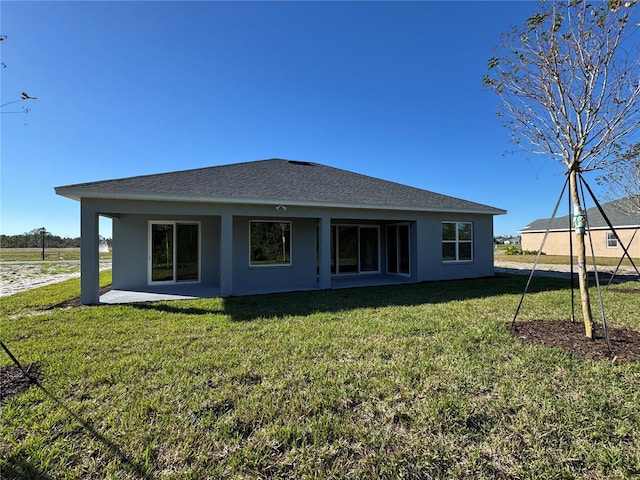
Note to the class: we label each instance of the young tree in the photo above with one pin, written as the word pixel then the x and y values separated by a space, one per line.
pixel 569 84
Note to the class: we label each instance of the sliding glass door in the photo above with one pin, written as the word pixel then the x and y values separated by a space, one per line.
pixel 347 249
pixel 369 250
pixel 355 249
pixel 174 252
pixel 162 252
pixel 398 259
pixel 187 252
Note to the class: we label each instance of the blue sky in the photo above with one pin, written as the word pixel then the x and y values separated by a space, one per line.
pixel 387 89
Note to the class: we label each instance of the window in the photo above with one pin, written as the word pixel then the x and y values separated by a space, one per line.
pixel 612 240
pixel 355 249
pixel 175 252
pixel 457 241
pixel 270 243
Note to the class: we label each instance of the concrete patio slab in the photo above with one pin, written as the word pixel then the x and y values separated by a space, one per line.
pixel 158 294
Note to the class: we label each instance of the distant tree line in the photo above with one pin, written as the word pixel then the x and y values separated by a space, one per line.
pixel 33 239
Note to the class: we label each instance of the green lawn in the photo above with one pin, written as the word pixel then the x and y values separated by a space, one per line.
pixel 420 381
pixel 50 254
pixel 564 260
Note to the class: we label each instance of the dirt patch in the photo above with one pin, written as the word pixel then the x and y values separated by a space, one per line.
pixel 625 290
pixel 18 277
pixel 569 336
pixel 13 381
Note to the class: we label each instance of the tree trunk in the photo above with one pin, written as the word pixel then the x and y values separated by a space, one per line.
pixel 582 259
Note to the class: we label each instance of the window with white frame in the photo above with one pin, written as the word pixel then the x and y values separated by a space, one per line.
pixel 612 240
pixel 270 243
pixel 457 241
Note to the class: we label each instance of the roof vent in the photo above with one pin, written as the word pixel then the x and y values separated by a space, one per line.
pixel 297 162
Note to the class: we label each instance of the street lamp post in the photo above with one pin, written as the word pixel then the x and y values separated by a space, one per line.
pixel 43 232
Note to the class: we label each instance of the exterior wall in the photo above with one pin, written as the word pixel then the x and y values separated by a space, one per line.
pixel 557 243
pixel 130 252
pixel 131 249
pixel 429 241
pixel 131 238
pixel 300 275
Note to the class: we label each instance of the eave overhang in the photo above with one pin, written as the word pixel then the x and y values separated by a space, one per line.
pixel 78 195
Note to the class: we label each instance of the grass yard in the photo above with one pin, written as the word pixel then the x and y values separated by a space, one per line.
pixel 50 254
pixel 564 260
pixel 421 381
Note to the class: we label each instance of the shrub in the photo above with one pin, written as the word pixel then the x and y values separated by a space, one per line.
pixel 517 250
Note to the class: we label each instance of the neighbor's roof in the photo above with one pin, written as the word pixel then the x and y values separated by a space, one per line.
pixel 275 181
pixel 616 211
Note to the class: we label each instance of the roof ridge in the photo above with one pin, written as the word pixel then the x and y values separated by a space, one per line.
pixel 274 179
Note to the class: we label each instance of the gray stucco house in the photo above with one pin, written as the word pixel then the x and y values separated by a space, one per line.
pixel 277 225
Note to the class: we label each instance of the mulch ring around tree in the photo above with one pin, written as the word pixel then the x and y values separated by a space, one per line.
pixel 13 381
pixel 570 336
pixel 625 290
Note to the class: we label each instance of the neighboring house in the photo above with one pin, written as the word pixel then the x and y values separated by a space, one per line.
pixel 605 242
pixel 274 226
pixel 507 240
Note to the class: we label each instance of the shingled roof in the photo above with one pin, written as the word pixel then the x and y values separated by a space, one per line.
pixel 275 181
pixel 617 211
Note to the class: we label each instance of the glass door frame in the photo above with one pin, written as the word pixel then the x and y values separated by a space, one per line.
pixel 174 253
pixel 398 249
pixel 335 249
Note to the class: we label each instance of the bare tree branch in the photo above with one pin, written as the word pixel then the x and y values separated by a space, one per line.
pixel 621 178
pixel 569 89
